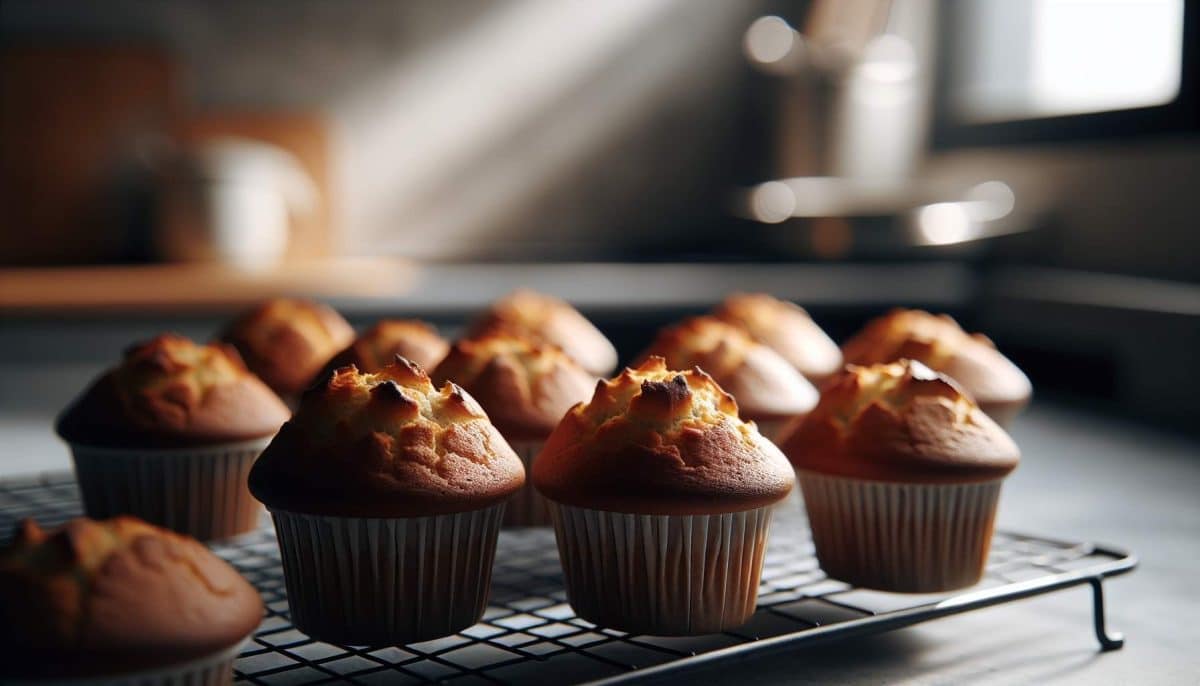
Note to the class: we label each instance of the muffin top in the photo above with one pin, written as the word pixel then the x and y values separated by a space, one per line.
pixel 378 346
pixel 941 344
pixel 170 392
pixel 785 328
pixel 387 444
pixel 656 441
pixel 525 387
pixel 550 320
pixel 287 342
pixel 97 598
pixel 765 385
pixel 900 421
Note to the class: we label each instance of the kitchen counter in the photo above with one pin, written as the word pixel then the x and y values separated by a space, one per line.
pixel 1083 477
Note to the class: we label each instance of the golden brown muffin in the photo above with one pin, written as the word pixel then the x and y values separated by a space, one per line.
pixel 170 392
pixel 96 598
pixel 900 422
pixel 378 346
pixel 287 342
pixel 767 388
pixel 525 387
pixel 387 444
pixel 996 384
pixel 656 441
pixel 785 328
pixel 550 320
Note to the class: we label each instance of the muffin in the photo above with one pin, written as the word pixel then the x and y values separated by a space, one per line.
pixel 769 390
pixel 997 385
pixel 387 496
pixel 550 320
pixel 378 346
pixel 525 388
pixel 785 328
pixel 287 342
pixel 901 474
pixel 661 498
pixel 169 435
pixel 119 601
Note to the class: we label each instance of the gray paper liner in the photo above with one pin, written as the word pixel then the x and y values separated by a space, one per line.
pixel 662 574
pixel 387 581
pixel 197 491
pixel 527 507
pixel 917 538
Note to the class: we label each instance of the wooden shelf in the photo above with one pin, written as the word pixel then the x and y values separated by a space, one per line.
pixel 198 286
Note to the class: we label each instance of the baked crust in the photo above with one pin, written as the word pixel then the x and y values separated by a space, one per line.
pixel 546 319
pixel 95 598
pixel 656 441
pixel 378 346
pixel 525 387
pixel 170 392
pixel 287 342
pixel 996 384
pixel 387 444
pixel 785 328
pixel 766 386
pixel 903 422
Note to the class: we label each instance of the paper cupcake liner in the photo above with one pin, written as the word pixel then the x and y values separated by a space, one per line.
pixel 196 491
pixel 527 507
pixel 915 538
pixel 661 574
pixel 381 582
pixel 214 670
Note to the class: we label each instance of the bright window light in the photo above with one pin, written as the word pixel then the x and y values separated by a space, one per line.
pixel 1025 59
pixel 1097 55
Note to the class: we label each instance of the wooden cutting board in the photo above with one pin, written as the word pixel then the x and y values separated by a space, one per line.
pixel 68 116
pixel 71 115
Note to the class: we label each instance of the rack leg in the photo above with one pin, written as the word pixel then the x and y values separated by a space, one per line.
pixel 1108 640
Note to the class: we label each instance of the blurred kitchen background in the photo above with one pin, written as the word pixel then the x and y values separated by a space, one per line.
pixel 1030 166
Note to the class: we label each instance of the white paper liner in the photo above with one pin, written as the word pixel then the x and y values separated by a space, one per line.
pixel 916 538
pixel 214 670
pixel 661 574
pixel 527 507
pixel 198 491
pixel 382 582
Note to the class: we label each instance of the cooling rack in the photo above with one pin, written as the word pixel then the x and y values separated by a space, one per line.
pixel 529 633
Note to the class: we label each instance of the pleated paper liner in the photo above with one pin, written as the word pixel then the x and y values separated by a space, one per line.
pixel 198 491
pixel 661 574
pixel 915 538
pixel 387 581
pixel 212 670
pixel 527 507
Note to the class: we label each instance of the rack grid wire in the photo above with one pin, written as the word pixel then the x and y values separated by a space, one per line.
pixel 530 634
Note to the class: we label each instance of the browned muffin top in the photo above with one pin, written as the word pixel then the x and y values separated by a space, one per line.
pixel 171 392
pixel 525 387
pixel 765 385
pixel 550 320
pixel 656 441
pixel 941 344
pixel 96 598
pixel 785 328
pixel 378 346
pixel 900 422
pixel 287 342
pixel 386 444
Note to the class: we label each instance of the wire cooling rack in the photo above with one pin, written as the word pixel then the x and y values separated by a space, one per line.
pixel 529 633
